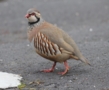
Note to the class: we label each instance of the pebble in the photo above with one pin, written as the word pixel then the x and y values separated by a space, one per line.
pixel 90 29
pixel 1 60
pixel 28 45
pixel 70 81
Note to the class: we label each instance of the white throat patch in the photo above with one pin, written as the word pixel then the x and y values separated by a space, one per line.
pixel 32 18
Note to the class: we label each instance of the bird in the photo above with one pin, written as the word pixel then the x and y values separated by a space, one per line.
pixel 51 42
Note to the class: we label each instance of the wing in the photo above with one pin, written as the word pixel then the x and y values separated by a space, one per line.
pixel 55 35
pixel 61 38
pixel 72 43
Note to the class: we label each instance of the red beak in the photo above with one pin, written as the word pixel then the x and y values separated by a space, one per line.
pixel 27 16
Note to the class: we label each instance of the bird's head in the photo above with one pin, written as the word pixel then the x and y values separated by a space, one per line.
pixel 33 16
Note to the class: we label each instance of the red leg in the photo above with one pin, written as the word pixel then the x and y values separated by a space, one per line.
pixel 51 69
pixel 66 68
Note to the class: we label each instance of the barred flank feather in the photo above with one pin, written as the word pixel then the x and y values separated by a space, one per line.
pixel 44 46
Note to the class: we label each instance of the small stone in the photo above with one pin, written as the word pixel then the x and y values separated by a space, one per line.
pixel 90 29
pixel 70 81
pixel 56 68
pixel 51 85
pixel 94 86
pixel 1 60
pixel 76 78
pixel 28 45
pixel 61 77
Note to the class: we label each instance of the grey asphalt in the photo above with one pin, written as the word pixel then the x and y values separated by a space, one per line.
pixel 86 21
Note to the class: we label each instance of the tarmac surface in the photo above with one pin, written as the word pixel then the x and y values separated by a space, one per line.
pixel 86 21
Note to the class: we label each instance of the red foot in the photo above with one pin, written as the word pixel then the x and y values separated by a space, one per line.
pixel 51 69
pixel 62 73
pixel 47 70
pixel 66 69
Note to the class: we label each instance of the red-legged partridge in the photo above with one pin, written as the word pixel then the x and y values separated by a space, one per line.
pixel 51 42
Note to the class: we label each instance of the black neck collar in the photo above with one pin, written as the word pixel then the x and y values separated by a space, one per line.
pixel 32 23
